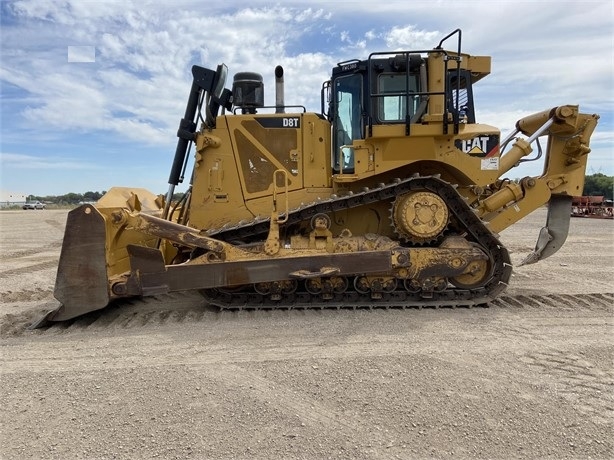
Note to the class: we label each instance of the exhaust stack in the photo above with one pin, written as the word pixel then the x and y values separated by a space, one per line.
pixel 279 89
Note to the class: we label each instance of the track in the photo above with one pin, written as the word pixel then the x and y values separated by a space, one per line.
pixel 189 308
pixel 401 296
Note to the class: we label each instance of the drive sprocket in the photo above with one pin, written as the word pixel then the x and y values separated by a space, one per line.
pixel 420 217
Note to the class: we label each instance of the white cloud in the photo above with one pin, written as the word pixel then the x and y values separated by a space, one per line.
pixel 409 37
pixel 544 54
pixel 32 162
pixel 143 62
pixel 83 53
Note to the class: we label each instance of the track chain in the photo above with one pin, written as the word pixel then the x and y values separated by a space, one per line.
pixel 154 311
pixel 466 218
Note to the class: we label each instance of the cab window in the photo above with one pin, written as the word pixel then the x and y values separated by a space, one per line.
pixel 346 124
pixel 395 95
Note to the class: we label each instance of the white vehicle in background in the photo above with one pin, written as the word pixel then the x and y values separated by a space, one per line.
pixel 34 205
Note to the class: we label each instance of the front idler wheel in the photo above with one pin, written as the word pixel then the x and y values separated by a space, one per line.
pixel 477 274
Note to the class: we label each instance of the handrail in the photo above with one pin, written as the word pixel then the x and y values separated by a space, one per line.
pixel 234 111
pixel 276 190
pixel 408 94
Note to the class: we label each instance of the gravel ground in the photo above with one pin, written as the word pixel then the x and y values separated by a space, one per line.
pixel 530 377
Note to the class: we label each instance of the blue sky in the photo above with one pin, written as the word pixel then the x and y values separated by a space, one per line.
pixel 92 91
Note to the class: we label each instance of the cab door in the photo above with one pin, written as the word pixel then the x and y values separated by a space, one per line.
pixel 347 111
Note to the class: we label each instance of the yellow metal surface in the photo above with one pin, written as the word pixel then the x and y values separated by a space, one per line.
pixel 250 165
pixel 420 216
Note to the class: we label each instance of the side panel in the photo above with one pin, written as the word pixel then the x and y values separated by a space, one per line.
pixel 473 152
pixel 264 144
pixel 218 196
pixel 233 180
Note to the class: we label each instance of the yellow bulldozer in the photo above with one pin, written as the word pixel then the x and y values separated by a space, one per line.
pixel 391 195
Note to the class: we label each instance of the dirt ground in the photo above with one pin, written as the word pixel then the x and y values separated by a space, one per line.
pixel 531 376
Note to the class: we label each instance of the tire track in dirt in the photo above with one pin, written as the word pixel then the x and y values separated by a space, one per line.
pixel 52 246
pixel 29 269
pixel 594 302
pixel 57 225
pixel 577 380
pixel 189 307
pixel 34 251
pixel 39 261
pixel 557 308
pixel 311 412
pixel 573 377
pixel 26 295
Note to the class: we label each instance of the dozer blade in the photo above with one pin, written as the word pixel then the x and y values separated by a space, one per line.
pixel 553 235
pixel 81 283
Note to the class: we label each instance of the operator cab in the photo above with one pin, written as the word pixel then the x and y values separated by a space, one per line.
pixel 377 91
pixel 392 88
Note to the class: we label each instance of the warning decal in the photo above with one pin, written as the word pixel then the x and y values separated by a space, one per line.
pixel 490 164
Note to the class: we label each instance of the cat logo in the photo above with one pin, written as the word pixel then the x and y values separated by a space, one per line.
pixel 485 145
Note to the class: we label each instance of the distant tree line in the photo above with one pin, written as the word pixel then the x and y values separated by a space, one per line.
pixel 77 198
pixel 69 198
pixel 594 185
pixel 599 185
